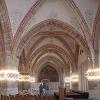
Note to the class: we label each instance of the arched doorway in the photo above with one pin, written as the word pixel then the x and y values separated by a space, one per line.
pixel 49 73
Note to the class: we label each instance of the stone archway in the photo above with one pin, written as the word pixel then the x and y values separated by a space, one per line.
pixel 48 72
pixel 96 37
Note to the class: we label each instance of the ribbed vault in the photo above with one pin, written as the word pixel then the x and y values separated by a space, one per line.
pixel 51 41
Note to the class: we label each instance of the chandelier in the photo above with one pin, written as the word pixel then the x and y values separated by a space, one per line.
pixel 93 74
pixel 13 75
pixel 26 78
pixel 9 75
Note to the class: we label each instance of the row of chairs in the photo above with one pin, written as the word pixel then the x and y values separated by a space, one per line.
pixel 26 97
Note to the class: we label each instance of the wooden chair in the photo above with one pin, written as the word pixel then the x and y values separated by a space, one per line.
pixel 25 97
pixel 2 97
pixel 44 97
pixel 61 93
pixel 11 97
pixel 5 97
pixel 49 98
pixel 33 97
pixel 16 97
pixel 38 97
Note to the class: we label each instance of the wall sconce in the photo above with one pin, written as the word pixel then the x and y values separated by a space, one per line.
pixel 67 80
pixel 26 78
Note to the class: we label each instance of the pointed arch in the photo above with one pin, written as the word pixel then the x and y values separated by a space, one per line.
pixel 44 27
pixel 84 27
pixel 43 64
pixel 1 40
pixel 6 25
pixel 96 21
pixel 96 36
pixel 83 23
pixel 42 38
pixel 2 47
pixel 29 14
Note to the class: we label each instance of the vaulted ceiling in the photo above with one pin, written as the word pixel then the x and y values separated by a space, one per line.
pixel 47 31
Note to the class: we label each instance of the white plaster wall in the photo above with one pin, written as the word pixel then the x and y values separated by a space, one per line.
pixel 17 10
pixel 88 9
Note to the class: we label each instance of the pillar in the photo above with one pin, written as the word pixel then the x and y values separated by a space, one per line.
pixel 11 63
pixel 61 93
pixel 83 83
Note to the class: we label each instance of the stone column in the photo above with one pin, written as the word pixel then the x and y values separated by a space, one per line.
pixel 62 78
pixel 3 88
pixel 11 63
pixel 99 54
pixel 83 83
